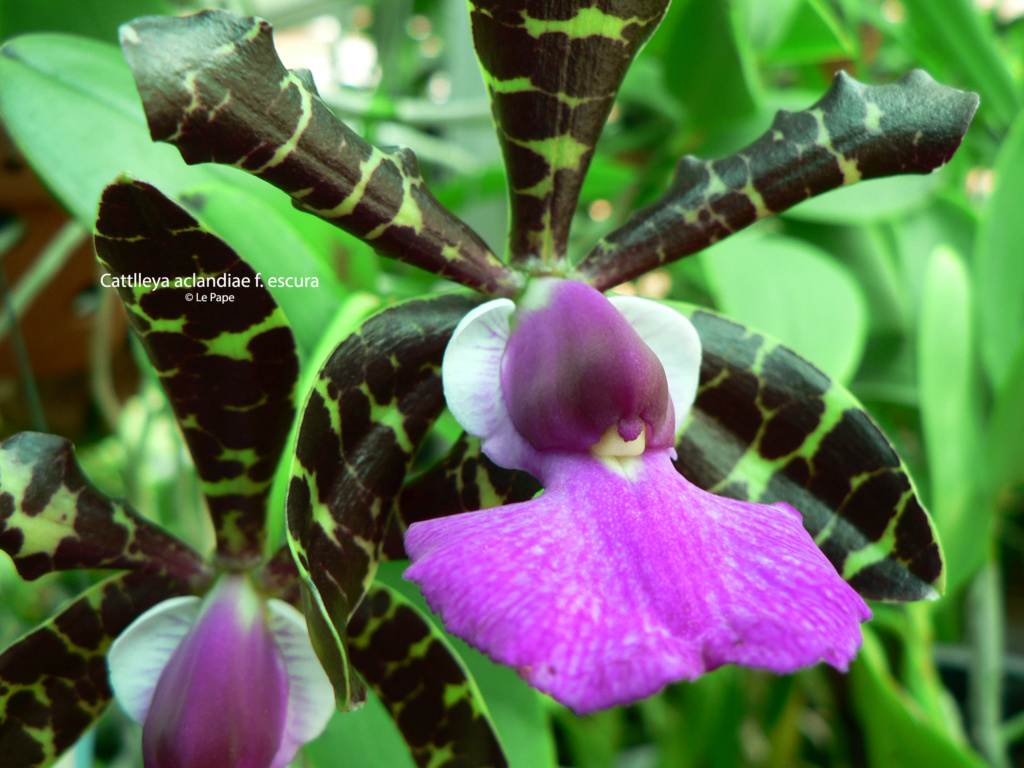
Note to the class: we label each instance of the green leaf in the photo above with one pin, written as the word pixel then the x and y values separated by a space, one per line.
pixel 854 132
pixel 795 292
pixel 70 105
pixel 368 738
pixel 273 247
pixel 813 35
pixel 1004 459
pixel 93 18
pixel 517 710
pixel 711 69
pixel 698 723
pixel 552 71
pixel 372 405
pixel 946 375
pixel 213 86
pixel 999 268
pixel 411 666
pixel 896 731
pixel 916 236
pixel 767 21
pixel 53 519
pixel 53 681
pixel 225 354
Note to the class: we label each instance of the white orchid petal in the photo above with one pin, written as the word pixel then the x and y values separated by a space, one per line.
pixel 139 654
pixel 310 695
pixel 471 373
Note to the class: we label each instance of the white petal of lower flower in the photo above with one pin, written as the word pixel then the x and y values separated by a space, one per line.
pixel 140 653
pixel 310 695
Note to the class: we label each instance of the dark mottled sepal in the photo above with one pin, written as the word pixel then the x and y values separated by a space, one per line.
pixel 330 641
pixel 768 426
pixel 420 679
pixel 854 132
pixel 53 681
pixel 213 86
pixel 53 519
pixel 279 577
pixel 229 368
pixel 463 481
pixel 372 404
pixel 552 70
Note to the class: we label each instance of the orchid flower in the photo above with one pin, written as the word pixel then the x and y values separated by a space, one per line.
pixel 218 675
pixel 622 576
pixel 209 655
pixel 230 680
pixel 552 70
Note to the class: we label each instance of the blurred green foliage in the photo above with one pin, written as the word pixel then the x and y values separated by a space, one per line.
pixel 909 290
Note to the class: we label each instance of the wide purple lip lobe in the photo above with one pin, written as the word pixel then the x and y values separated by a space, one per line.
pixel 604 589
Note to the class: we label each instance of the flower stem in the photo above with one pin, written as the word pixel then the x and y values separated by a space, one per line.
pixel 986 626
pixel 1013 729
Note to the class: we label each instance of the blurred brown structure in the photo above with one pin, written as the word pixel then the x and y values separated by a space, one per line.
pixel 59 325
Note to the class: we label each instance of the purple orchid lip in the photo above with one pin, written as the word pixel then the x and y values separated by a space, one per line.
pixel 622 576
pixel 607 587
pixel 231 680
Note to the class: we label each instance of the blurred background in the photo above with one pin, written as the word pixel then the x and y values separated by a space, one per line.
pixel 909 291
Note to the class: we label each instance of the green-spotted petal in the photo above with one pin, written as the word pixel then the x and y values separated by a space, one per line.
pixel 213 86
pixel 228 367
pixel 463 481
pixel 53 519
pixel 854 132
pixel 426 688
pixel 372 404
pixel 53 681
pixel 552 71
pixel 768 426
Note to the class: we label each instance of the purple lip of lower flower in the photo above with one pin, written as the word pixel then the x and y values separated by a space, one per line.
pixel 574 367
pixel 622 576
pixel 222 698
pixel 229 681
